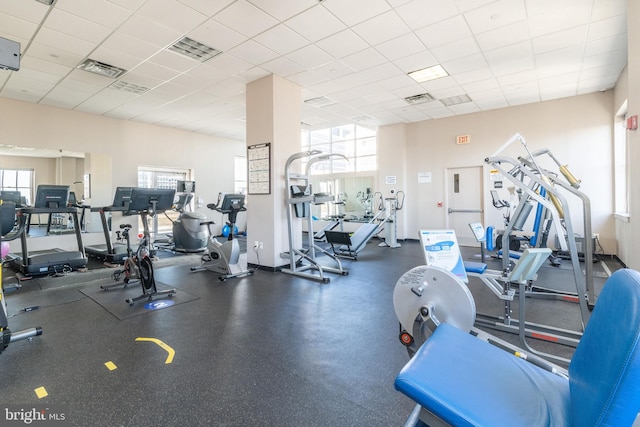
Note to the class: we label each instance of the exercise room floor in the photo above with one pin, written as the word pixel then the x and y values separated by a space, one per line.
pixel 269 349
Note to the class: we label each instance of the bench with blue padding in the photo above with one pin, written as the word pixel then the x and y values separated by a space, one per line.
pixel 465 381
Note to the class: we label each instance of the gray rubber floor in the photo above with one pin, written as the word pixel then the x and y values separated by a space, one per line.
pixel 268 349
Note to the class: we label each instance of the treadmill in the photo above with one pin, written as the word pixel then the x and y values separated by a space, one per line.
pixel 111 252
pixel 50 199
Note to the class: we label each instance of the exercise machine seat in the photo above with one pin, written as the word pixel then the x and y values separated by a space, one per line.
pixel 465 381
pixel 475 267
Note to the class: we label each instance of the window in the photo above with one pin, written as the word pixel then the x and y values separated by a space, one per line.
pixel 621 167
pixel 18 180
pixel 358 144
pixel 153 177
pixel 240 174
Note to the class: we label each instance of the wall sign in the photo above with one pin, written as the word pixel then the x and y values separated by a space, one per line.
pixel 259 168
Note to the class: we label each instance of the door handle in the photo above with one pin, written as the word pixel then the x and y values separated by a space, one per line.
pixel 451 210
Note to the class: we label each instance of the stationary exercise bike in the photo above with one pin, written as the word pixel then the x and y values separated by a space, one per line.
pixel 138 265
pixel 224 257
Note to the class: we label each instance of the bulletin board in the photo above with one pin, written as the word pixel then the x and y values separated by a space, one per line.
pixel 259 168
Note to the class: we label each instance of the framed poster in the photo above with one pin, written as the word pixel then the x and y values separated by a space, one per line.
pixel 259 168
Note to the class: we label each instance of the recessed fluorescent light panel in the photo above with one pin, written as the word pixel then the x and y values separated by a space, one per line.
pixel 101 68
pixel 128 87
pixel 455 100
pixel 430 73
pixel 194 50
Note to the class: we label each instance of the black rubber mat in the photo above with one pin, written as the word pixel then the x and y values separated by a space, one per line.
pixel 115 300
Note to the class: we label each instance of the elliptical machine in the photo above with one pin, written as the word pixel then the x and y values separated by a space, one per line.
pixel 224 258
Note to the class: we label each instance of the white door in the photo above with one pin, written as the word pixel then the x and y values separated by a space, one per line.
pixel 464 202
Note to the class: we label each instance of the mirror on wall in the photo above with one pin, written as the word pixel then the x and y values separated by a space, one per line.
pixel 24 168
pixel 352 197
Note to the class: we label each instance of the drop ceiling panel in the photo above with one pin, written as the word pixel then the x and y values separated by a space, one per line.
pixel 283 10
pixel 102 12
pixel 172 14
pixel 281 39
pixel 315 24
pixel 355 11
pixel 499 52
pixel 245 18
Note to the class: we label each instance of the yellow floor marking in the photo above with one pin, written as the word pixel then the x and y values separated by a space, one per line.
pixel 163 346
pixel 41 392
pixel 110 365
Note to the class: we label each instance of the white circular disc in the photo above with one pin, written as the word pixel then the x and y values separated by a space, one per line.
pixel 451 299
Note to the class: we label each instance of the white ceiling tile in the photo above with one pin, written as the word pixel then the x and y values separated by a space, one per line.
pixel 253 53
pixel 343 43
pixel 172 14
pixel 479 85
pixel 503 36
pixel 100 11
pixel 76 26
pixel 464 65
pixel 30 11
pixel 381 28
pixel 549 17
pixel 12 27
pixel 561 61
pixel 608 27
pixel 281 39
pixel 495 15
pixel 315 24
pixel 149 31
pixel 64 97
pixel 364 59
pixel 444 32
pixel 245 18
pixel 58 56
pixel 31 62
pixel 128 4
pixel 207 7
pixel 402 46
pixel 416 61
pixel 228 64
pixel 310 57
pixel 607 8
pixel 606 44
pixel 284 9
pixel 457 49
pixel 217 35
pixel 355 11
pixel 475 76
pixel 131 46
pixel 56 39
pixel 511 59
pixel 115 58
pixel 561 39
pixel 155 71
pixel 282 67
pixel 254 73
pixel 174 61
pixel 421 13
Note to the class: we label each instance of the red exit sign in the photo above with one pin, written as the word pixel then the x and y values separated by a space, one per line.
pixel 463 139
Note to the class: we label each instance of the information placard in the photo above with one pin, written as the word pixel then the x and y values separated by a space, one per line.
pixel 259 168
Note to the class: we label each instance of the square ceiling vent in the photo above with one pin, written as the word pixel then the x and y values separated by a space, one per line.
pixel 101 68
pixel 194 50
pixel 321 101
pixel 419 99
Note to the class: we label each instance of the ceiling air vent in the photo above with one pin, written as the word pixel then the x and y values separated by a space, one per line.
pixel 455 100
pixel 194 50
pixel 419 99
pixel 321 101
pixel 101 68
pixel 128 87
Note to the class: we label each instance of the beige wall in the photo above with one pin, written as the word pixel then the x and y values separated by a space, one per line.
pixel 628 230
pixel 577 130
pixel 129 144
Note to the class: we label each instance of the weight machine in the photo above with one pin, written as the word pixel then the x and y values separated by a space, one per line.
pixel 299 197
pixel 387 210
pixel 543 186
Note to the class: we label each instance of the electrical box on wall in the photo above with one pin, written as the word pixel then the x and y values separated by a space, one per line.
pixel 632 123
